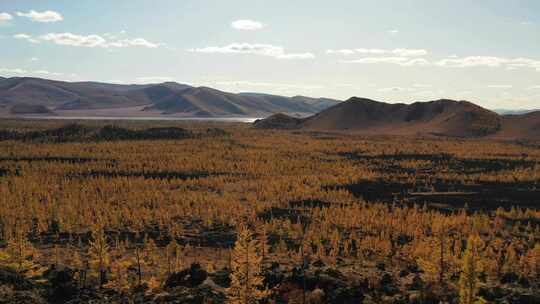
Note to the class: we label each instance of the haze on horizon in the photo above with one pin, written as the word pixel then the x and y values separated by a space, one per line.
pixel 486 52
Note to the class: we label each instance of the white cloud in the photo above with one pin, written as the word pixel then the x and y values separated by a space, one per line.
pixel 4 17
pixel 372 51
pixel 399 52
pixel 45 16
pixel 87 40
pixel 524 62
pixel 254 49
pixel 47 73
pixel 18 71
pixel 12 71
pixel 409 52
pixel 22 36
pixel 247 25
pixel 472 61
pixel 416 61
pixel 25 37
pixel 74 40
pixel 403 61
pixel 490 61
pixel 500 86
pixel 534 87
pixel 34 59
pixel 134 42
pixel 393 32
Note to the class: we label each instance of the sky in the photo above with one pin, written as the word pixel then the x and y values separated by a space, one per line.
pixel 484 51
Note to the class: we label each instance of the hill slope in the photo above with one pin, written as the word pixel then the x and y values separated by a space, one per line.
pixel 440 117
pixel 167 98
pixel 524 126
pixel 434 118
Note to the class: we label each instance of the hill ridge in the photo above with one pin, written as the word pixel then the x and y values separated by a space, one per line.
pixel 442 117
pixel 167 98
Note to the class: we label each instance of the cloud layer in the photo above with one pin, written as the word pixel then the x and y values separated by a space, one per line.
pixel 90 41
pixel 247 25
pixel 402 61
pixel 45 16
pixel 400 52
pixel 254 49
pixel 43 73
pixel 414 57
pixel 490 61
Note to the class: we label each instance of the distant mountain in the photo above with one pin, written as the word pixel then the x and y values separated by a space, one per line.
pixel 169 98
pixel 302 104
pixel 513 112
pixel 319 103
pixel 444 117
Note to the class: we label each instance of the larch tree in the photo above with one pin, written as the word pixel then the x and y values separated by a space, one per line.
pixel 20 254
pixel 99 254
pixel 471 268
pixel 247 281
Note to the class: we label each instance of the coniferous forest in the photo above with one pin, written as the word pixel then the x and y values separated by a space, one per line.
pixel 164 212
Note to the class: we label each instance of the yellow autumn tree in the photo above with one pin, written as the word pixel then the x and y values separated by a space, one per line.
pixel 471 267
pixel 20 254
pixel 99 254
pixel 247 281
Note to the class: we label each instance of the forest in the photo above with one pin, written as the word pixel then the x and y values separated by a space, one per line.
pixel 171 212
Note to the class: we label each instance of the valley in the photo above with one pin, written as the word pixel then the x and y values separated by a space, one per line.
pixel 353 217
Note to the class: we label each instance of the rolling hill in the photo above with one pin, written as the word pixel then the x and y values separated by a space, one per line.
pixel 25 95
pixel 443 117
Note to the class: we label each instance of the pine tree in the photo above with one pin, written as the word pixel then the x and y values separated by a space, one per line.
pixel 468 281
pixel 247 281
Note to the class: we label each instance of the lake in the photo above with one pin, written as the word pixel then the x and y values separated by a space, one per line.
pixel 150 118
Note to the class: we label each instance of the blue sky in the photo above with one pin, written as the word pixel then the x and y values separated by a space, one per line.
pixel 487 52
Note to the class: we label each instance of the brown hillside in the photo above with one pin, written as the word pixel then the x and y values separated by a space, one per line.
pixel 440 117
pixel 524 126
pixel 164 98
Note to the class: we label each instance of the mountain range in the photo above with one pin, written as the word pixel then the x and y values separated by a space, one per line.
pixel 35 96
pixel 448 118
